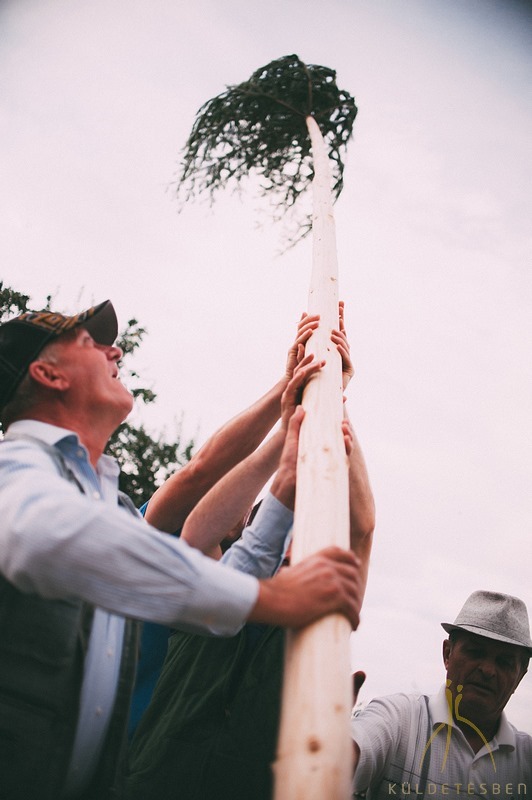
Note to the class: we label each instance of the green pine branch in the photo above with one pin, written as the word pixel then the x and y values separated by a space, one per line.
pixel 258 127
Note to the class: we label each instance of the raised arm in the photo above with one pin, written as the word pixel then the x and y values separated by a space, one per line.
pixel 361 503
pixel 228 501
pixel 233 442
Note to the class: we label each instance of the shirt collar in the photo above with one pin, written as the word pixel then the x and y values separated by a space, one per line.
pixel 440 713
pixel 439 709
pixel 53 434
pixel 505 733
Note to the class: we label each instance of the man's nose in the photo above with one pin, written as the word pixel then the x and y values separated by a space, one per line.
pixel 114 353
pixel 487 668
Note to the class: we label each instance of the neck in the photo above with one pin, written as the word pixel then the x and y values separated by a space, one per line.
pixel 474 739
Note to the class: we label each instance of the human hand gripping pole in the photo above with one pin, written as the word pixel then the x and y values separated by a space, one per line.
pixel 327 582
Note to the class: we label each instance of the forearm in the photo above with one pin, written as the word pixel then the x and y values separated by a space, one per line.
pixel 234 441
pixel 221 509
pixel 62 544
pixel 361 505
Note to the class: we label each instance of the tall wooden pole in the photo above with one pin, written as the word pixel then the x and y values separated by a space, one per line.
pixel 315 753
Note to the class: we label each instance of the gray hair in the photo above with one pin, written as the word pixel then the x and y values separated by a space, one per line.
pixel 27 393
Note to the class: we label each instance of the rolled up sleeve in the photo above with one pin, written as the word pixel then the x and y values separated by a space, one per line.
pixel 259 550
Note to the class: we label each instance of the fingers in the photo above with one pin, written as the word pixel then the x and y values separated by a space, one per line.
pixel 307 323
pixel 304 371
pixel 306 318
pixel 339 338
pixel 307 368
pixel 340 556
pixel 326 583
pixel 294 425
pixel 338 576
pixel 289 454
pixel 359 679
pixel 348 435
pixel 305 331
pixel 284 482
pixel 306 326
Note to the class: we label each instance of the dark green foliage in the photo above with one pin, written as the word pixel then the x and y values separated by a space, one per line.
pixel 145 461
pixel 12 303
pixel 260 126
pixel 128 341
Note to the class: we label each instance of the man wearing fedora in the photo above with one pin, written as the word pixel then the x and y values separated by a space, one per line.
pixel 457 742
pixel 78 566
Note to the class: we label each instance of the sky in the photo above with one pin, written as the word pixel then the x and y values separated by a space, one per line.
pixel 434 240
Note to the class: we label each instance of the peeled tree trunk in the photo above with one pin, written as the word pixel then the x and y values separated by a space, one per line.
pixel 315 754
pixel 288 124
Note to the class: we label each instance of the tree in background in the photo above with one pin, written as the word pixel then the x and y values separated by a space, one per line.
pixel 145 461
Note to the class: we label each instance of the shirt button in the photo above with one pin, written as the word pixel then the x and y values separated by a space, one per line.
pixel 99 711
pixel 110 652
pixel 80 453
pixel 96 495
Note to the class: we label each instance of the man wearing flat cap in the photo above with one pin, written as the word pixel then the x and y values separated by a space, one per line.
pixel 457 742
pixel 78 566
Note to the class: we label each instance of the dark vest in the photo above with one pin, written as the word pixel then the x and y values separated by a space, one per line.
pixel 42 650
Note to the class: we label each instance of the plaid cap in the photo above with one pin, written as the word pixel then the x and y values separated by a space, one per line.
pixel 23 338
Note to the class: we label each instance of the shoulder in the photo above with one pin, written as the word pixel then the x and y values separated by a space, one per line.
pixel 382 731
pixel 387 718
pixel 399 704
pixel 24 460
pixel 523 741
pixel 25 452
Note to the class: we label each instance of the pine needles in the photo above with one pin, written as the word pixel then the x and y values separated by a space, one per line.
pixel 258 127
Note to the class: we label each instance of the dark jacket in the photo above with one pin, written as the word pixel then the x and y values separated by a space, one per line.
pixel 210 732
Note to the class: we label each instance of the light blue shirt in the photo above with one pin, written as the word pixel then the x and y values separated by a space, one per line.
pixel 57 542
pixel 261 548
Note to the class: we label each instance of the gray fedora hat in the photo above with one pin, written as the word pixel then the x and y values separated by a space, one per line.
pixel 495 616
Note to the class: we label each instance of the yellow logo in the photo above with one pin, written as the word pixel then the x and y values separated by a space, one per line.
pixel 449 725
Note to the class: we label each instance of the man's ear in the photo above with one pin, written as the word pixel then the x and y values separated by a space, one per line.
pixel 446 651
pixel 48 375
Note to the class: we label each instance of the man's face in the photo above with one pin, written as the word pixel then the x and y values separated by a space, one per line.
pixel 92 373
pixel 488 672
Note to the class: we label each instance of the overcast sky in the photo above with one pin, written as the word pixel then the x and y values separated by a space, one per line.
pixel 97 99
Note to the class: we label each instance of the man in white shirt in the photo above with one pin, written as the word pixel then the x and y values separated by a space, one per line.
pixel 457 742
pixel 75 562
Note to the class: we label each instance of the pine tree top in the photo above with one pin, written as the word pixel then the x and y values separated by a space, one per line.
pixel 259 127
